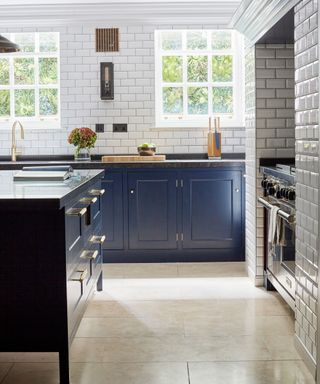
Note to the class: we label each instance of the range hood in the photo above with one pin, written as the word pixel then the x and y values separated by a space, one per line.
pixel 7 46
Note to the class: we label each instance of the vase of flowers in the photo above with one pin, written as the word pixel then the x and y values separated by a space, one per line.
pixel 83 139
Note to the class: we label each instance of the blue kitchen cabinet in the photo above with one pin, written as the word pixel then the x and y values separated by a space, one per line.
pixel 152 209
pixel 212 209
pixel 172 215
pixel 113 210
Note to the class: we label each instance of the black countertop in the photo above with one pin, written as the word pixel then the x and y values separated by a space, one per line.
pixel 184 161
pixel 57 192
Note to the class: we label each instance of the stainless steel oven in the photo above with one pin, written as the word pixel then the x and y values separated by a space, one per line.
pixel 280 255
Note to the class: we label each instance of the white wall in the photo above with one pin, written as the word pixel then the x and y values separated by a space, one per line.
pixel 133 103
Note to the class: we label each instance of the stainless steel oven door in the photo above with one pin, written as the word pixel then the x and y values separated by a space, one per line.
pixel 281 258
pixel 281 261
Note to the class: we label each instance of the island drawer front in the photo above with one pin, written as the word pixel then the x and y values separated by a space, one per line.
pixel 78 286
pixel 90 242
pixel 82 218
pixel 75 227
pixel 96 261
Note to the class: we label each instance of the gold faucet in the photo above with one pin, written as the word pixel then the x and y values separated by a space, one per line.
pixel 14 151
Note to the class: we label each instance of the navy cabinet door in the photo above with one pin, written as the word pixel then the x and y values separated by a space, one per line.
pixel 112 208
pixel 212 214
pixel 152 209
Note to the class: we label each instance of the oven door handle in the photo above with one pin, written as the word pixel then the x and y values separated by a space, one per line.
pixel 290 218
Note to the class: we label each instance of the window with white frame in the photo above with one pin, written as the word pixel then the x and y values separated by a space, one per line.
pixel 30 81
pixel 198 74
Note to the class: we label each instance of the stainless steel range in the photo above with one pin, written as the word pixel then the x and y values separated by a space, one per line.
pixel 279 202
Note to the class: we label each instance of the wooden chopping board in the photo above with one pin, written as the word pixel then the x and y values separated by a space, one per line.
pixel 129 158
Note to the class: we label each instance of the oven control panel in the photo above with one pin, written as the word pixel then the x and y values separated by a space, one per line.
pixel 278 188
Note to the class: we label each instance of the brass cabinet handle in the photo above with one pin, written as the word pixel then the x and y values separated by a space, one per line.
pixel 83 274
pixel 76 211
pixel 88 200
pixel 89 255
pixel 97 192
pixel 98 239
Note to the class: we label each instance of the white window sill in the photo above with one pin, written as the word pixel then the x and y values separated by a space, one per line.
pixel 44 125
pixel 194 125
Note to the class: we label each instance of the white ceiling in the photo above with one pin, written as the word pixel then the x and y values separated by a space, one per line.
pixel 43 12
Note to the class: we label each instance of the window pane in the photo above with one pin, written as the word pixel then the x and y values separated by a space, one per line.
pixel 48 42
pixel 4 71
pixel 48 102
pixel 172 98
pixel 24 71
pixel 24 102
pixel 197 68
pixel 221 40
pixel 197 40
pixel 222 100
pixel 172 69
pixel 48 70
pixel 25 41
pixel 197 100
pixel 5 102
pixel 222 68
pixel 171 40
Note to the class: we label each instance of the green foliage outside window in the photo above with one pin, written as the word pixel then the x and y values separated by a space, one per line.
pixel 26 41
pixel 48 70
pixel 172 100
pixel 221 40
pixel 48 42
pixel 197 57
pixel 4 71
pixel 24 71
pixel 5 103
pixel 198 100
pixel 48 101
pixel 197 68
pixel 197 40
pixel 171 40
pixel 31 90
pixel 222 100
pixel 172 69
pixel 222 68
pixel 24 102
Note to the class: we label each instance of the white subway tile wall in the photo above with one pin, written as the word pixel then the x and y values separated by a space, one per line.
pixel 275 134
pixel 250 122
pixel 307 171
pixel 269 133
pixel 133 103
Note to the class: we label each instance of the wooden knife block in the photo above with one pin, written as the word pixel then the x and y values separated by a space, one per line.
pixel 214 144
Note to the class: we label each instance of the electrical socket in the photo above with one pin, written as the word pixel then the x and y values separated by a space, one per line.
pixel 99 127
pixel 120 127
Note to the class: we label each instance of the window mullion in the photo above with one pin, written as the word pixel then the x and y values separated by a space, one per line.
pixel 36 76
pixel 12 89
pixel 210 106
pixel 185 86
pixel 185 75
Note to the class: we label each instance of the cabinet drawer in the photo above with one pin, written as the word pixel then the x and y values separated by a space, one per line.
pixel 93 253
pixel 93 204
pixel 77 283
pixel 75 218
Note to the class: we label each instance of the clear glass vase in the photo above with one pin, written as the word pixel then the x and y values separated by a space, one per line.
pixel 82 154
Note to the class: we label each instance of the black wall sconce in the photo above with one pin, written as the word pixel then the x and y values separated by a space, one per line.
pixel 106 78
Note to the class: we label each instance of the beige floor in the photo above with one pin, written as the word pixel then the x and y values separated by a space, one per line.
pixel 174 324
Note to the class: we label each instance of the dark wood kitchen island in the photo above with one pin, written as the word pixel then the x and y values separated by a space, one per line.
pixel 51 261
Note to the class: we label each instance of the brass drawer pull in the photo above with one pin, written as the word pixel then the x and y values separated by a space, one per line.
pixel 88 200
pixel 83 274
pixel 89 255
pixel 98 239
pixel 97 192
pixel 76 211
